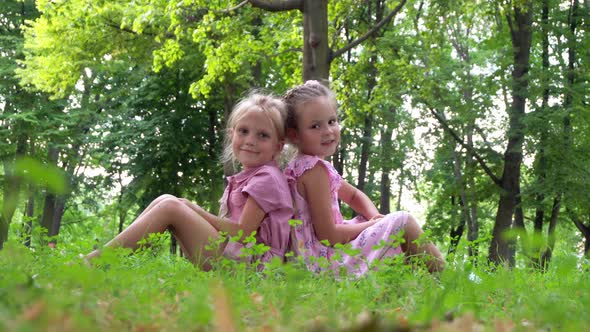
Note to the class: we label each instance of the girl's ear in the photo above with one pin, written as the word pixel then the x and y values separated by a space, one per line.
pixel 280 145
pixel 292 135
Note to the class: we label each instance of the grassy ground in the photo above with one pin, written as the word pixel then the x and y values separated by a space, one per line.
pixel 50 289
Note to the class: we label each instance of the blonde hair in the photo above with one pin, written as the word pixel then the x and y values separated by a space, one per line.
pixel 272 107
pixel 302 94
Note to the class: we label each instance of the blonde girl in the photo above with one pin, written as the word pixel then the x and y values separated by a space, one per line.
pixel 256 199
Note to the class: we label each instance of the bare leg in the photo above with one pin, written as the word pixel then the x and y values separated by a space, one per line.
pixel 427 251
pixel 154 202
pixel 191 230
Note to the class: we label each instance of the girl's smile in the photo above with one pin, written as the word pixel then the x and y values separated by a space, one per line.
pixel 254 140
pixel 318 131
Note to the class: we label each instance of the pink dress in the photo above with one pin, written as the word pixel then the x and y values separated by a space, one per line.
pixel 268 187
pixel 306 242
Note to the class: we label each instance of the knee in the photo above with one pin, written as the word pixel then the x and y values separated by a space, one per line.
pixel 411 227
pixel 165 196
pixel 411 220
pixel 170 204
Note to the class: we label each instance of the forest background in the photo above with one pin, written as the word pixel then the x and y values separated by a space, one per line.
pixel 478 109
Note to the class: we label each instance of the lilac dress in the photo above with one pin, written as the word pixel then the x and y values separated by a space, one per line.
pixel 306 242
pixel 268 187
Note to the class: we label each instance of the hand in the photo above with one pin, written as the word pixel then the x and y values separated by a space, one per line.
pixel 192 205
pixel 377 217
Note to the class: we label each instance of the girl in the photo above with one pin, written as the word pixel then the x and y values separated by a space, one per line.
pixel 312 126
pixel 256 199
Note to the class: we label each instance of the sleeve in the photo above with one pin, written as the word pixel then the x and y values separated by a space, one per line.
pixel 304 163
pixel 268 187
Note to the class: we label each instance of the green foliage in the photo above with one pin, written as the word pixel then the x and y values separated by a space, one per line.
pixel 53 289
pixel 34 172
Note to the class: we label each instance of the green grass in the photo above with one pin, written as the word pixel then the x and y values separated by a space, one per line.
pixel 50 289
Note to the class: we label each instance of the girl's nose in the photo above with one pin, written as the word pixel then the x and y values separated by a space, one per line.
pixel 250 140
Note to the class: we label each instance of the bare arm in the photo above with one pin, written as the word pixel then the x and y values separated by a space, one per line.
pixel 316 190
pixel 250 220
pixel 358 201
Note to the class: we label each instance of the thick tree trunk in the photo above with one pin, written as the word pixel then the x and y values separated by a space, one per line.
pixel 316 56
pixel 501 247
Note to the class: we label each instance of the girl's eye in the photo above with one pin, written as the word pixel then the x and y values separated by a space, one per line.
pixel 264 135
pixel 315 126
pixel 243 131
pixel 333 122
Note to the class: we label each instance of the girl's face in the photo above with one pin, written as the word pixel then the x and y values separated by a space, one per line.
pixel 318 131
pixel 254 140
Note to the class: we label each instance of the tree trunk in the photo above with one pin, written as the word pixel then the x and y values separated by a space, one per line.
pixel 384 204
pixel 29 214
pixel 501 247
pixel 316 60
pixel 50 199
pixel 567 130
pixel 541 158
pixel 58 213
pixel 585 230
pixel 338 157
pixel 317 54
pixel 12 183
pixel 400 190
pixel 456 232
pixel 30 207
pixel 470 190
pixel 366 141
pixel 548 253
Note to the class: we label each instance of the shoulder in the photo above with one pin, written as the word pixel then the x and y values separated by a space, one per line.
pixel 268 187
pixel 303 163
pixel 317 175
pixel 268 173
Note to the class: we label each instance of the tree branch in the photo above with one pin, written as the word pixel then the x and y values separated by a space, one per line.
pixel 369 33
pixel 585 230
pixel 466 146
pixel 234 8
pixel 340 28
pixel 277 5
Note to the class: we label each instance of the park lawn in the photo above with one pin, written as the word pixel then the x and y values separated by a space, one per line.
pixel 51 289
